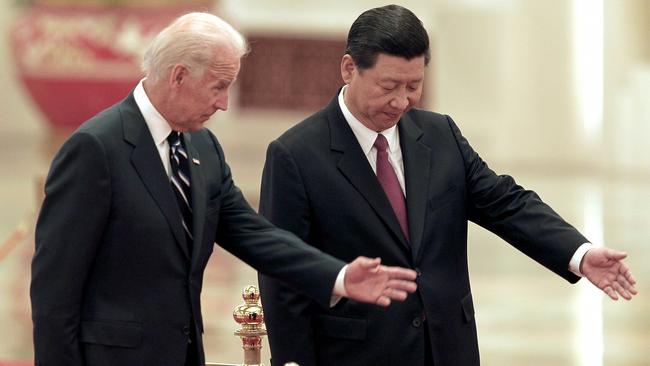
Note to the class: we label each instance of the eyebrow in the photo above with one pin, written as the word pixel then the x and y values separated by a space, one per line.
pixel 399 81
pixel 224 80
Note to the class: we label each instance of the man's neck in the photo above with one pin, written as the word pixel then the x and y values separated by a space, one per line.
pixel 157 98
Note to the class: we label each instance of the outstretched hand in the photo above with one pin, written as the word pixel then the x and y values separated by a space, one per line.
pixel 604 267
pixel 366 280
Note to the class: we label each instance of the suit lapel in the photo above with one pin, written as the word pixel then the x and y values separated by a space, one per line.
pixel 146 161
pixel 416 176
pixel 198 196
pixel 353 164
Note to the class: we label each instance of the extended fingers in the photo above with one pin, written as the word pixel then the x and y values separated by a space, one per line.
pixel 368 263
pixel 397 290
pixel 610 292
pixel 615 254
pixel 620 285
pixel 407 286
pixel 624 286
pixel 383 301
pixel 400 273
pixel 625 271
pixel 395 294
pixel 625 281
pixel 621 291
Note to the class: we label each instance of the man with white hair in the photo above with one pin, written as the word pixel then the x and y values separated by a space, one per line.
pixel 134 201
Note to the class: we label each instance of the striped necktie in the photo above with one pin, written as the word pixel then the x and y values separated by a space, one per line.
pixel 180 180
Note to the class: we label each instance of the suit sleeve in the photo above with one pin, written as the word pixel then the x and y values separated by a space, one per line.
pixel 284 202
pixel 68 234
pixel 517 215
pixel 272 251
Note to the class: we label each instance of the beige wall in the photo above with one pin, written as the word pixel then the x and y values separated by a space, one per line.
pixel 17 112
pixel 627 85
pixel 504 74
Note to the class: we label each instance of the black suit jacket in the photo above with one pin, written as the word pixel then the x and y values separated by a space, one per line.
pixel 113 280
pixel 318 184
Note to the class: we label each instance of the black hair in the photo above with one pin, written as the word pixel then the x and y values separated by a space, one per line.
pixel 390 29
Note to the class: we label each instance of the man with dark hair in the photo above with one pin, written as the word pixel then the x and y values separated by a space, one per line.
pixel 374 33
pixel 371 175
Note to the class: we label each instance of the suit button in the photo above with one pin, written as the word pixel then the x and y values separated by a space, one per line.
pixel 417 322
pixel 419 273
pixel 186 330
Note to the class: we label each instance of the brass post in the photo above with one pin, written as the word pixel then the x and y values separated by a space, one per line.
pixel 251 318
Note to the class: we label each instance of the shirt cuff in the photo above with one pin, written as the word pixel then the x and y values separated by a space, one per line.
pixel 574 263
pixel 339 288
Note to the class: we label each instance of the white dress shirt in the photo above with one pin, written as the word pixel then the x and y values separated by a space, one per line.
pixel 158 126
pixel 366 138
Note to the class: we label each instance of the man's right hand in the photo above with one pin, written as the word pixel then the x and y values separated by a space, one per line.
pixel 366 280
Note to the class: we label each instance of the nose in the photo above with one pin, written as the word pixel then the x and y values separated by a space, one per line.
pixel 221 103
pixel 400 101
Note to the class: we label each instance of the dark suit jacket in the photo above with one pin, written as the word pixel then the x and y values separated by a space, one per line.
pixel 318 184
pixel 113 280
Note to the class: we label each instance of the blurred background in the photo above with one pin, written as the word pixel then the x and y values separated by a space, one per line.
pixel 553 92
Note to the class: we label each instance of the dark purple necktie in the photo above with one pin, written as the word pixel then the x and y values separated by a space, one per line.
pixel 389 182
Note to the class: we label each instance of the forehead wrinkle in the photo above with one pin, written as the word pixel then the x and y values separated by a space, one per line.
pixel 222 69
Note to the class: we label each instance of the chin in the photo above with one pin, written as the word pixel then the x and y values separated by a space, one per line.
pixel 388 123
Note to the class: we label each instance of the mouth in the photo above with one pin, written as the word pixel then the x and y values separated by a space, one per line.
pixel 392 115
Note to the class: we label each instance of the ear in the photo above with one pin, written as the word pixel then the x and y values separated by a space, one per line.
pixel 348 68
pixel 178 75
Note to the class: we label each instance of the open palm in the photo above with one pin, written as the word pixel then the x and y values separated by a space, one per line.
pixel 604 267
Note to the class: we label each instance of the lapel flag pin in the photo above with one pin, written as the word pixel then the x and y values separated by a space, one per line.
pixel 196 161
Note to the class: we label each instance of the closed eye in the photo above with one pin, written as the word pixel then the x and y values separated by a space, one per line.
pixel 413 86
pixel 388 86
pixel 219 87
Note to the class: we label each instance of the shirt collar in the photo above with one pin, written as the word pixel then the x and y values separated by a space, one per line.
pixel 158 126
pixel 364 135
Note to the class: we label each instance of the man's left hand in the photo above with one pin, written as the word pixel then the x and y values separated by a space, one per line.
pixel 604 267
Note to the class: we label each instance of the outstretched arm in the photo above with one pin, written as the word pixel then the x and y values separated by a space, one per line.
pixel 604 267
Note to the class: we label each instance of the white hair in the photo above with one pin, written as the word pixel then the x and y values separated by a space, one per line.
pixel 191 40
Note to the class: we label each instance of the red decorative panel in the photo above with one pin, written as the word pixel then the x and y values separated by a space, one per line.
pixel 75 60
pixel 289 73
